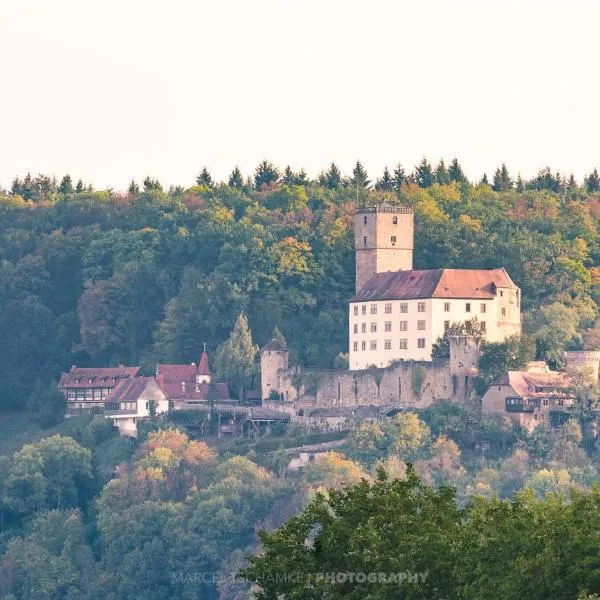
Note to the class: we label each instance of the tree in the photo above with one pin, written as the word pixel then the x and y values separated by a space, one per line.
pixel 510 355
pixel 66 186
pixel 235 179
pixel 152 185
pixel 79 188
pixel 133 188
pixel 47 404
pixel 332 178
pixel 235 357
pixel 386 182
pixel 205 178
pixel 455 172
pixel 266 174
pixel 502 180
pixel 399 177
pixel 424 174
pixel 407 434
pixel 592 182
pixel 484 180
pixel 441 174
pixel 360 178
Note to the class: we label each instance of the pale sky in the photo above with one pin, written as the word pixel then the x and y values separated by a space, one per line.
pixel 110 90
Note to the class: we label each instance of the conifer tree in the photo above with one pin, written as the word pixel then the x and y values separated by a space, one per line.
pixel 424 176
pixel 79 187
pixel 484 180
pixel 520 184
pixel 592 182
pixel 235 357
pixel 133 188
pixel 441 173
pixel 399 178
pixel 235 179
pixel 385 183
pixel 205 178
pixel 571 184
pixel 360 178
pixel 289 177
pixel 455 172
pixel 265 174
pixel 332 178
pixel 502 180
pixel 66 185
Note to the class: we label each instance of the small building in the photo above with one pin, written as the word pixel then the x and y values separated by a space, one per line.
pixel 87 388
pixel 530 398
pixel 188 386
pixel 134 399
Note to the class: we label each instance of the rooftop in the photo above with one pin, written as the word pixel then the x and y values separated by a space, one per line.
pixel 92 377
pixel 435 283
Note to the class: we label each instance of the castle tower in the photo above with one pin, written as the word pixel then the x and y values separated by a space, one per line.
pixel 273 358
pixel 463 365
pixel 203 374
pixel 383 240
pixel 584 361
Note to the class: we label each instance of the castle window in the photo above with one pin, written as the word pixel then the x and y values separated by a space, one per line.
pixel 393 239
pixel 355 346
pixel 364 309
pixel 482 308
pixel 446 325
pixel 364 345
pixel 446 306
pixel 365 241
pixel 363 328
pixel 373 344
pixel 388 326
pixel 365 220
pixel 388 309
pixel 403 325
pixel 503 312
pixel 403 344
pixel 420 325
pixel 421 307
pixel 501 293
pixel 355 311
pixel 373 327
pixel 468 307
pixel 483 329
pixel 355 327
pixel 394 220
pixel 373 309
pixel 388 344
pixel 421 343
pixel 404 307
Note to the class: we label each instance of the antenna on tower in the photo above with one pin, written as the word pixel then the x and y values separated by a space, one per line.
pixel 204 346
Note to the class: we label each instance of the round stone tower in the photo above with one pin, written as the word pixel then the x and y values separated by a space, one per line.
pixel 273 360
pixel 585 361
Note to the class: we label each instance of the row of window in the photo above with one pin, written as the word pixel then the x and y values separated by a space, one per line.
pixel 387 344
pixel 482 307
pixel 421 307
pixel 387 326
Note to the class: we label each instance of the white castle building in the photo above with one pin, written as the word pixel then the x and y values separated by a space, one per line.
pixel 398 313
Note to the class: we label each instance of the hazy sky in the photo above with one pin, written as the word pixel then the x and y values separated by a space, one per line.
pixel 110 90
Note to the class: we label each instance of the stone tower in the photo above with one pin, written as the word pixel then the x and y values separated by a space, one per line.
pixel 273 359
pixel 383 239
pixel 463 365
pixel 585 361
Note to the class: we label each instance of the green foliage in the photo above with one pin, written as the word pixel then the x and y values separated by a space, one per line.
pixel 235 357
pixel 46 404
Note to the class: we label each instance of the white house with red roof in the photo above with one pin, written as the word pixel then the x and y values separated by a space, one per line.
pixel 398 313
pixel 188 386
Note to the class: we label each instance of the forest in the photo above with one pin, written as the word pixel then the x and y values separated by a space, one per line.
pixel 104 278
pixel 98 277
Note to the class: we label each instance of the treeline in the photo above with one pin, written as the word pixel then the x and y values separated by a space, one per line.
pixel 44 187
pixel 99 277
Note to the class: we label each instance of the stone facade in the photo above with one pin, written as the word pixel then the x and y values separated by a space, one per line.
pixel 403 384
pixel 383 238
pixel 586 361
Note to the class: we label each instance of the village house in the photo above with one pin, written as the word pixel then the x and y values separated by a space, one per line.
pixel 87 388
pixel 190 386
pixel 537 396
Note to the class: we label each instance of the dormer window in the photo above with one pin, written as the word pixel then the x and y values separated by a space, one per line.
pixel 183 386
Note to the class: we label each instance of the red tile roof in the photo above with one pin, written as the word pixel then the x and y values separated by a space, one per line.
pixel 435 283
pixel 129 390
pixel 171 377
pixel 83 377
pixel 203 368
pixel 275 345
